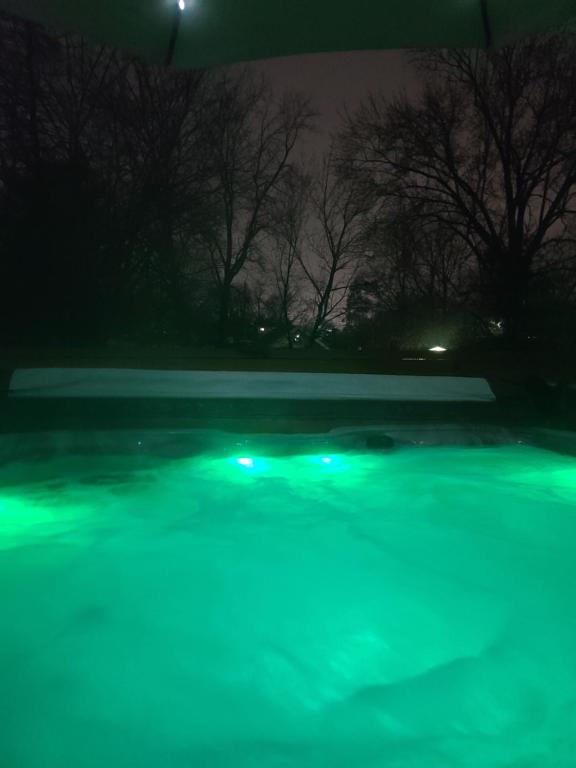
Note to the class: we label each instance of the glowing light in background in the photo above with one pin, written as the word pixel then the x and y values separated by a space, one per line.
pixel 244 461
pixel 326 460
pixel 182 5
pixel 437 349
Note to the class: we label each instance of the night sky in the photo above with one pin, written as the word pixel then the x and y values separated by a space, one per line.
pixel 333 80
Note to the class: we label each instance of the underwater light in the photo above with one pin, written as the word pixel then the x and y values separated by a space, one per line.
pixel 182 5
pixel 245 462
pixel 326 461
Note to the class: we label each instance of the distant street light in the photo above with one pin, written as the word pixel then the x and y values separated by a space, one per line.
pixel 437 349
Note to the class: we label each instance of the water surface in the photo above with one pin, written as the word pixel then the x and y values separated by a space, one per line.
pixel 409 609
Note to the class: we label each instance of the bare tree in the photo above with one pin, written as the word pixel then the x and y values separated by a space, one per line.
pixel 414 282
pixel 162 133
pixel 487 152
pixel 56 260
pixel 26 52
pixel 251 142
pixel 340 209
pixel 287 233
pixel 104 181
pixel 415 259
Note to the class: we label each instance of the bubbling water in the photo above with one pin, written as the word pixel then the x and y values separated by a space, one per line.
pixel 409 609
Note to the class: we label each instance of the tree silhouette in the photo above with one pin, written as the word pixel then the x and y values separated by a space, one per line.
pixel 289 222
pixel 487 152
pixel 337 244
pixel 250 144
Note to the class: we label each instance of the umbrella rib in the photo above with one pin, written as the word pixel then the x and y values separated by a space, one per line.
pixel 173 35
pixel 486 24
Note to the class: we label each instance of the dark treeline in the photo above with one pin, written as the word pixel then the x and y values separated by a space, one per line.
pixel 157 206
pixel 135 201
pixel 473 185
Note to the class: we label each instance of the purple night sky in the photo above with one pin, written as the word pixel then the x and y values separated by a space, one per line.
pixel 335 80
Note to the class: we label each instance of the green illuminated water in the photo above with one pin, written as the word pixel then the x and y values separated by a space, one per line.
pixel 412 609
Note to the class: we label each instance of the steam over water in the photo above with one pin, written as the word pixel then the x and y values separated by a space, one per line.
pixel 410 609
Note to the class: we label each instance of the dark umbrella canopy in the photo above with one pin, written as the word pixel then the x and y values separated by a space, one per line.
pixel 213 32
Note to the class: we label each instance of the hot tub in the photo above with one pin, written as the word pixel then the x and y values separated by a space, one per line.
pixel 376 595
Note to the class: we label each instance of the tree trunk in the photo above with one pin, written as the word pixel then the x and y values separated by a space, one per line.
pixel 315 330
pixel 32 94
pixel 514 291
pixel 224 314
pixel 175 284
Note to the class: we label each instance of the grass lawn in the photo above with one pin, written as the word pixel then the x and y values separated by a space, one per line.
pixel 508 366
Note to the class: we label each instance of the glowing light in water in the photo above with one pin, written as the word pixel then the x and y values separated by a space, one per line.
pixel 182 5
pixel 331 463
pixel 359 602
